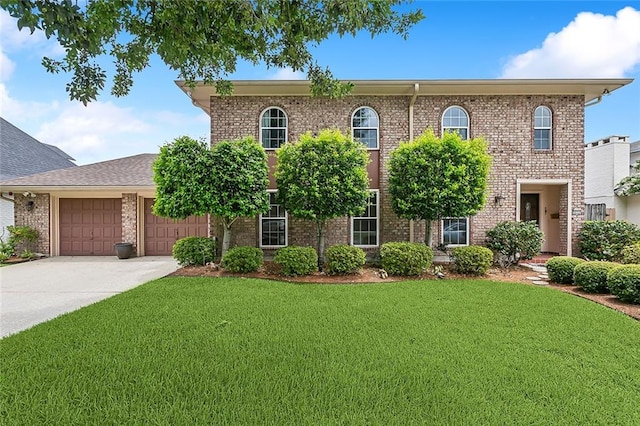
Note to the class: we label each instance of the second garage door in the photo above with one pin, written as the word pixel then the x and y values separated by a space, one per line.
pixel 160 234
pixel 90 226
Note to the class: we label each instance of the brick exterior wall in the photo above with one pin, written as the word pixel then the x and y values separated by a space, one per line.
pixel 506 122
pixel 37 218
pixel 130 219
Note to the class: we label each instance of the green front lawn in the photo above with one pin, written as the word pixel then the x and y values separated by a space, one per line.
pixel 240 351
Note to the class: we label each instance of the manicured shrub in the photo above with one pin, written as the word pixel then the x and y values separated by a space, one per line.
pixel 344 259
pixel 242 259
pixel 22 238
pixel 631 254
pixel 194 250
pixel 514 241
pixel 560 268
pixel 295 260
pixel 606 239
pixel 405 258
pixel 472 260
pixel 592 276
pixel 624 283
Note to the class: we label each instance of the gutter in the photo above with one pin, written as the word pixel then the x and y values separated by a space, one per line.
pixel 416 89
pixel 597 100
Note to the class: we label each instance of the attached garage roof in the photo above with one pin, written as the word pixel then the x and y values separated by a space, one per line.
pixel 135 171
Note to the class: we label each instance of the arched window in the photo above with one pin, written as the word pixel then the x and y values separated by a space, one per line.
pixel 456 119
pixel 364 127
pixel 542 128
pixel 273 128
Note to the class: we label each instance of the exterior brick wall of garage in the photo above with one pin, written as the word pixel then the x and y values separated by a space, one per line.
pixel 506 122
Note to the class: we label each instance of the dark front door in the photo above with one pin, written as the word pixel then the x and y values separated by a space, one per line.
pixel 529 207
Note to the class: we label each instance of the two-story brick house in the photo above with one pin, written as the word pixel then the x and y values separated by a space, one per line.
pixel 534 129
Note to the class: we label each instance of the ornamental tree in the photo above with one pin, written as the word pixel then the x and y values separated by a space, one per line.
pixel 433 178
pixel 227 181
pixel 629 185
pixel 202 40
pixel 322 177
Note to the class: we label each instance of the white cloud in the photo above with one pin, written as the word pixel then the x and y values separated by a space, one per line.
pixel 287 74
pixel 591 46
pixel 14 40
pixel 6 66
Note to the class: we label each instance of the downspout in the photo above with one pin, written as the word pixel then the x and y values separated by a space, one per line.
pixel 416 88
pixel 593 102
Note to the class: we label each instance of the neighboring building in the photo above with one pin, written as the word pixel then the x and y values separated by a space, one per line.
pixel 607 162
pixel 22 155
pixel 534 129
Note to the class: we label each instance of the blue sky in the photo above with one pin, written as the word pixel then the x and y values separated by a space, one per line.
pixel 457 40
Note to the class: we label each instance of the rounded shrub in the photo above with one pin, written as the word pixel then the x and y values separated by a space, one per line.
pixel 472 260
pixel 624 283
pixel 606 239
pixel 406 259
pixel 560 268
pixel 242 259
pixel 194 251
pixel 592 276
pixel 344 259
pixel 294 260
pixel 514 241
pixel 631 254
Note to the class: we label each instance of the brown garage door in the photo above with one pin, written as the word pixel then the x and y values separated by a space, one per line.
pixel 160 234
pixel 90 226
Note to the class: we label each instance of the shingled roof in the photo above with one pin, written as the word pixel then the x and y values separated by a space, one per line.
pixel 135 171
pixel 23 155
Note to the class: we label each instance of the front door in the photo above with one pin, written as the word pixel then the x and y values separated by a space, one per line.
pixel 529 207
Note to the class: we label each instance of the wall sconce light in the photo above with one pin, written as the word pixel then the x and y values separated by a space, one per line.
pixel 29 205
pixel 497 200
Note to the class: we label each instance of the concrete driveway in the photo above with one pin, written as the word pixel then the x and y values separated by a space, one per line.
pixel 34 292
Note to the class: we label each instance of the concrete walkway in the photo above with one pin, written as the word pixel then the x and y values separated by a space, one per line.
pixel 34 292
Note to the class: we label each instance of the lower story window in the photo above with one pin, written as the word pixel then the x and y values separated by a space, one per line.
pixel 455 231
pixel 364 229
pixel 273 225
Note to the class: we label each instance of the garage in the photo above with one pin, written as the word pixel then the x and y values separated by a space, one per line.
pixel 160 234
pixel 90 226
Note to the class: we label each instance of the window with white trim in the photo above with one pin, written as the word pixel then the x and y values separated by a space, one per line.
pixel 273 128
pixel 273 225
pixel 542 128
pixel 364 127
pixel 455 231
pixel 456 119
pixel 364 229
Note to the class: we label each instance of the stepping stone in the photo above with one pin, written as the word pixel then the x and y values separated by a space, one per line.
pixel 543 276
pixel 533 278
pixel 540 282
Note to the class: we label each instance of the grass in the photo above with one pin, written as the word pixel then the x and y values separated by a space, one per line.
pixel 240 351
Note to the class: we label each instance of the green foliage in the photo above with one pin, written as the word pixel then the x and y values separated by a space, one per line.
pixel 624 283
pixel 560 268
pixel 6 250
pixel 344 259
pixel 194 251
pixel 630 185
pixel 295 260
pixel 432 178
pixel 199 39
pixel 514 241
pixel 407 259
pixel 323 177
pixel 631 254
pixel 21 238
pixel 182 175
pixel 472 260
pixel 592 276
pixel 27 254
pixel 606 239
pixel 242 259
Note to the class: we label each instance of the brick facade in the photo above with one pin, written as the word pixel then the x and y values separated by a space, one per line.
pixel 505 121
pixel 36 217
pixel 130 219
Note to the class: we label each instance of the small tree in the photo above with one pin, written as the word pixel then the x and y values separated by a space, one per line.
pixel 433 178
pixel 321 178
pixel 229 181
pixel 629 185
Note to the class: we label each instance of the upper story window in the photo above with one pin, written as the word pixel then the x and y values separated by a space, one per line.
pixel 364 125
pixel 273 225
pixel 456 119
pixel 542 128
pixel 364 228
pixel 273 128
